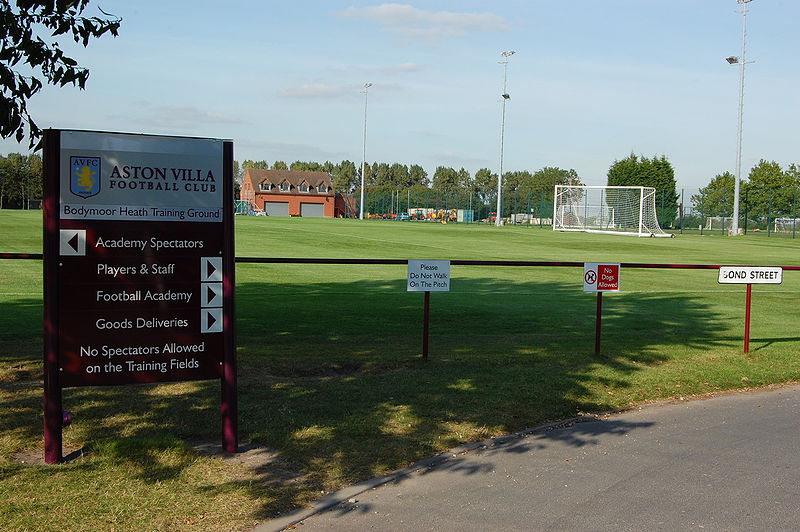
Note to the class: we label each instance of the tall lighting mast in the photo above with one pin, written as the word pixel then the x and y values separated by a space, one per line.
pixel 364 153
pixel 506 97
pixel 741 61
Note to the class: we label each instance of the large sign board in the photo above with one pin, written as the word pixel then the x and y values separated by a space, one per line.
pixel 139 266
pixel 598 277
pixel 143 272
pixel 750 275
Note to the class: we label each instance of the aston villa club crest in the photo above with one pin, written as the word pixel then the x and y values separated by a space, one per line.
pixel 84 176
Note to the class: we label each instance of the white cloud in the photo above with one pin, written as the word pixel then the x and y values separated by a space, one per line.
pixel 324 91
pixel 318 90
pixel 185 116
pixel 274 150
pixel 459 159
pixel 428 133
pixel 409 21
pixel 401 68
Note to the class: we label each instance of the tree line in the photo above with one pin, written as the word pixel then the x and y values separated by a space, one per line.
pixel 769 188
pixel 346 177
pixel 634 170
pixel 655 172
pixel 20 180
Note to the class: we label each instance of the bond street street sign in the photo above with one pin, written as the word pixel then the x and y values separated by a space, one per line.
pixel 750 275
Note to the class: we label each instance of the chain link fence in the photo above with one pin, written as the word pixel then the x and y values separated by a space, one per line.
pixel 532 207
pixel 771 212
pixel 762 212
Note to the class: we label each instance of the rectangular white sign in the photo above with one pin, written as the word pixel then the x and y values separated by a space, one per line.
pixel 750 275
pixel 428 276
pixel 120 176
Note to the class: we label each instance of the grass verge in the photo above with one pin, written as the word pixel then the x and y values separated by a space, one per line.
pixel 332 387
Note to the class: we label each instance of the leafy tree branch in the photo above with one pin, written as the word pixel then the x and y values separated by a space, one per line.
pixel 22 24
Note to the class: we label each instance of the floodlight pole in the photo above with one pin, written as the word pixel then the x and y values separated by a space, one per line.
pixel 364 152
pixel 505 96
pixel 741 61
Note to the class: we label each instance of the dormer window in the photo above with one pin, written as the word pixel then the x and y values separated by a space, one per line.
pixel 304 187
pixel 285 186
pixel 266 186
pixel 323 188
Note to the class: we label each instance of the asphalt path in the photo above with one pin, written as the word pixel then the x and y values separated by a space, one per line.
pixel 728 462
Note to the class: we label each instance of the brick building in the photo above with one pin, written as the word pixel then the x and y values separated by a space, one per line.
pixel 292 193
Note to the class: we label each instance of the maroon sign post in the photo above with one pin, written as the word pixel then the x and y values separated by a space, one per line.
pixel 139 268
pixel 600 278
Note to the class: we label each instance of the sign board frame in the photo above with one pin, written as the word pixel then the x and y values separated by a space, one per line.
pixel 139 266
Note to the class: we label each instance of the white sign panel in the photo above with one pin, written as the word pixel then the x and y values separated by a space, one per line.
pixel 140 178
pixel 428 276
pixel 750 275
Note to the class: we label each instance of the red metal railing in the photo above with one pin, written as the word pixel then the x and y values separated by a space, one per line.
pixel 454 262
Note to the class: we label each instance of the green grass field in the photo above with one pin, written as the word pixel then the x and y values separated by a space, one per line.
pixel 331 382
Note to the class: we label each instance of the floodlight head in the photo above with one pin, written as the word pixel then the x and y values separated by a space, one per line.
pixel 367 85
pixel 732 60
pixel 743 1
pixel 508 54
pixel 506 96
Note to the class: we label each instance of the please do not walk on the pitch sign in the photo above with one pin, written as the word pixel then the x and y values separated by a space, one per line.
pixel 428 276
pixel 600 277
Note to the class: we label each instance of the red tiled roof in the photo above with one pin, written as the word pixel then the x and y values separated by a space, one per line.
pixel 295 178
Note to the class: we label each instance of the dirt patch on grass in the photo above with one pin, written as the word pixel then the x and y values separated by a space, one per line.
pixel 21 372
pixel 265 463
pixel 35 457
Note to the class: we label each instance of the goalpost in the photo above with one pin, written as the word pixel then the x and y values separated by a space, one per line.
pixel 607 209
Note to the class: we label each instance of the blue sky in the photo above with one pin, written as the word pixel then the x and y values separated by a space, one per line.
pixel 591 81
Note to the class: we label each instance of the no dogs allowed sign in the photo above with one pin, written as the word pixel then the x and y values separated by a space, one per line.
pixel 598 277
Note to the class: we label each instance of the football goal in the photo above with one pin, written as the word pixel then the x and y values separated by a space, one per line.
pixel 785 225
pixel 613 210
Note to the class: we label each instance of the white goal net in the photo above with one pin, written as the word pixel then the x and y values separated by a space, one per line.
pixel 597 209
